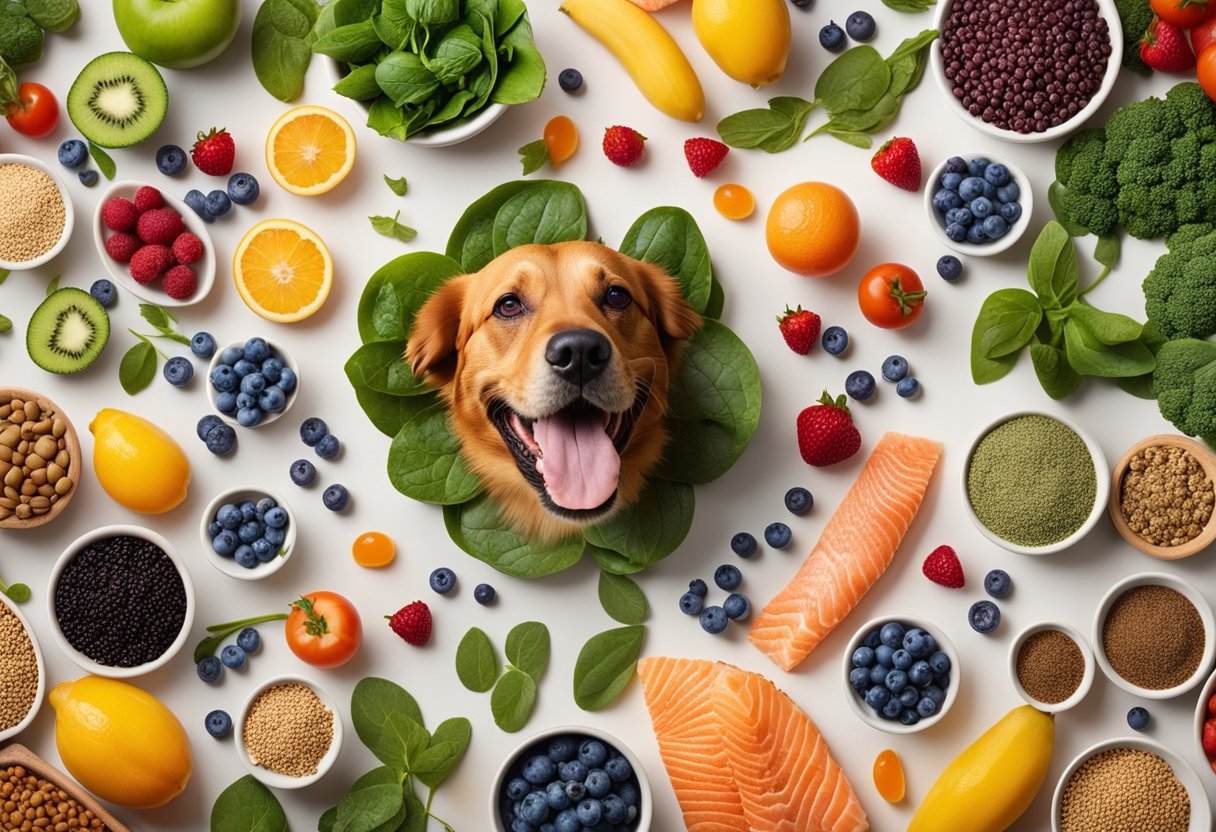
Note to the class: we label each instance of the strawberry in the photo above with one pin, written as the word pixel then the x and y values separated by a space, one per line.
pixel 623 145
pixel 413 623
pixel 1165 48
pixel 898 162
pixel 826 433
pixel 942 567
pixel 1209 738
pixel 214 152
pixel 799 328
pixel 704 155
pixel 1212 706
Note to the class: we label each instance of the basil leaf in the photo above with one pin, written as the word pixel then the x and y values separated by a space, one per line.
pixel 622 599
pixel 476 664
pixel 327 820
pixel 383 713
pixel 390 227
pixel 1055 198
pixel 404 78
pixel 1007 320
pixel 512 701
pixel 555 213
pixel 1108 327
pixel 1057 377
pixel 670 238
pixel 528 648
pixel 470 242
pixel 137 368
pixel 281 45
pixel 650 529
pixel 360 85
pixel 425 463
pixel 448 746
pixel 534 156
pixel 605 665
pixel 156 316
pixel 1053 267
pixel 1106 251
pixel 1089 356
pixel 380 366
pixel 853 81
pixel 387 314
pixel 397 186
pixel 772 130
pixel 373 800
pixel 247 806
pixel 478 528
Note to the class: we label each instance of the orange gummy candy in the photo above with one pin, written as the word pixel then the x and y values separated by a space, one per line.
pixel 561 137
pixel 374 549
pixel 889 776
pixel 734 202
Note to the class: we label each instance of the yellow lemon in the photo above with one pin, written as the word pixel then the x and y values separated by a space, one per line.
pixel 309 150
pixel 137 463
pixel 121 743
pixel 282 270
pixel 749 40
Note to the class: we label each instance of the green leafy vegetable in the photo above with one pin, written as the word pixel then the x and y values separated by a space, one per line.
pixel 6 323
pixel 476 663
pixel 669 237
pixel 534 156
pixel 772 130
pixel 622 599
pixel 138 367
pixel 211 644
pixel 528 648
pixel 513 699
pixel 390 227
pixel 478 528
pixel 17 593
pixel 104 163
pixel 1180 291
pixel 424 460
pixel 909 6
pixel 397 186
pixel 605 665
pixel 281 45
pixel 247 806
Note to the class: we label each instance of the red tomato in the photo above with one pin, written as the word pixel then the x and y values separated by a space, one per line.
pixel 1204 35
pixel 35 112
pixel 1182 13
pixel 891 296
pixel 1205 71
pixel 324 629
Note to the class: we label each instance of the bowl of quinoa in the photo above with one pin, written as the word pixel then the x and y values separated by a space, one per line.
pixel 1163 496
pixel 289 732
pixel 21 669
pixel 36 215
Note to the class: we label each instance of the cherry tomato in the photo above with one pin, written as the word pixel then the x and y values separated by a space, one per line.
pixel 1205 71
pixel 1181 13
pixel 1204 35
pixel 35 112
pixel 324 629
pixel 891 296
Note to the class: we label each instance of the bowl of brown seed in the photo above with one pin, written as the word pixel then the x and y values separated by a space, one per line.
pixel 1162 496
pixel 36 215
pixel 289 732
pixel 21 668
pixel 40 459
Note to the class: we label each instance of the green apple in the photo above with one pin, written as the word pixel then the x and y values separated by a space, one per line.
pixel 177 33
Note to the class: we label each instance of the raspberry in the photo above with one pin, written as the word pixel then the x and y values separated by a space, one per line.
pixel 623 145
pixel 119 214
pixel 159 225
pixel 180 282
pixel 149 263
pixel 187 248
pixel 413 623
pixel 121 245
pixel 704 155
pixel 147 198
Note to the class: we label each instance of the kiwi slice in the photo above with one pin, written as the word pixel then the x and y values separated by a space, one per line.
pixel 118 100
pixel 67 331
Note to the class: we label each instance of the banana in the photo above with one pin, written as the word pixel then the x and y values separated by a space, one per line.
pixel 650 55
pixel 993 781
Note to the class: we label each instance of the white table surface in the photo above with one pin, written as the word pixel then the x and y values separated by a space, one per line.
pixel 1064 587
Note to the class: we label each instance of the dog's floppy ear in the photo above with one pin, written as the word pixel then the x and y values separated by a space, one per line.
pixel 675 318
pixel 431 351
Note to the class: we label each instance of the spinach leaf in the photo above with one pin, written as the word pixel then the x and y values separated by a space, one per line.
pixel 359 84
pixel 853 81
pixel 478 529
pixel 433 12
pixel 350 44
pixel 605 665
pixel 476 664
pixel 380 366
pixel 650 529
pixel 1106 251
pixel 523 78
pixel 1055 198
pixel 373 704
pixel 1053 267
pixel 138 367
pixel 1055 374
pixel 394 294
pixel 104 163
pixel 772 130
pixel 326 22
pixel 452 109
pixel 534 156
pixel 622 599
pixel 397 186
pixel 404 79
pixel 528 648
pixel 512 701
pixel 470 243
pixel 424 460
pixel 909 6
pixel 281 45
pixel 1089 356
pixel 247 806
pixel 448 746
pixel 716 302
pixel 375 799
pixel 1006 323
pixel 1108 327
pixel 852 137
pixel 550 212
pixel 388 413
pixel 670 238
pixel 392 227
pixel 506 14
pixel 457 54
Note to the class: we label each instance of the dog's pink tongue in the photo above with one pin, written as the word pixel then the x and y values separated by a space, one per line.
pixel 580 464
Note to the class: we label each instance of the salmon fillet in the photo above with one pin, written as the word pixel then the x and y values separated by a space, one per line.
pixel 741 755
pixel 856 547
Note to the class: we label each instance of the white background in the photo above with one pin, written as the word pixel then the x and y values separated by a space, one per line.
pixel 1064 587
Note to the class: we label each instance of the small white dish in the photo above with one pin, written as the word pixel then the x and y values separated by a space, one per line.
pixel 273 778
pixel 1102 487
pixel 536 744
pixel 40 693
pixel 69 213
pixel 1087 656
pixel 229 566
pixel 856 700
pixel 276 350
pixel 1201 815
pixel 1191 594
pixel 204 269
pixel 1106 10
pixel 1201 716
pixel 74 548
pixel 937 220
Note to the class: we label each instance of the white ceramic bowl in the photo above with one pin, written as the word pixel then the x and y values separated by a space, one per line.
pixel 1201 716
pixel 937 220
pixel 229 566
pixel 1193 595
pixel 121 274
pixel 1106 10
pixel 538 741
pixel 1087 656
pixel 857 702
pixel 1201 815
pixel 276 349
pixel 273 778
pixel 41 691
pixel 1102 486
pixel 87 664
pixel 69 213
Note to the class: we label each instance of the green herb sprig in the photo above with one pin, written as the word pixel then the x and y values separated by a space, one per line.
pixel 219 632
pixel 17 593
pixel 392 227
pixel 138 366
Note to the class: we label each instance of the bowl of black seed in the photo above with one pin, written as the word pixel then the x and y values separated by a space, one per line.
pixel 121 601
pixel 1030 71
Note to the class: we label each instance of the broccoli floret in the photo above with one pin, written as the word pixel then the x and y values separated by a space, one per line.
pixel 1191 105
pixel 20 37
pixel 1098 215
pixel 1180 291
pixel 1135 15
pixel 1184 383
pixel 1089 140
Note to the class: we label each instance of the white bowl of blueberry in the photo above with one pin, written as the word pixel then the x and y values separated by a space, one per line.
pixel 248 532
pixel 252 383
pixel 978 204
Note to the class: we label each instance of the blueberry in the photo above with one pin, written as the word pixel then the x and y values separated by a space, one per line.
pixel 777 535
pixel 892 709
pixel 860 26
pixel 335 497
pixel 697 587
pixel 202 344
pixel 934 693
pixel 534 808
pixel 231 355
pixel 224 379
pixel 313 430
pixel 484 594
pixel 997 583
pixel 997 174
pixel 252 383
pixel 209 669
pixel 88 178
pixel 615 810
pixel 859 678
pixel 219 724
pixel 956 164
pixel 927 707
pixel 589 812
pixel 728 577
pixel 989 191
pixel 908 697
pixel 892 634
pixel 303 472
pixel 877 697
pixel 103 292
pixel 205 425
pixel 629 793
pixel 214 528
pixel 984 616
pixel 971 188
pixel 272 369
pixel 918 643
pixel 178 371
pixel 1010 212
pixel 243 189
pixel 956 232
pixel 562 749
pixel 276 517
pixel 884 655
pixel 908 716
pixel 977 166
pixel 835 340
pixel 901 659
pixel 229 516
pixel 831 37
pixel 743 544
pixel 226 403
pixel 941 680
pixel 878 674
pixel 73 153
pixel 920 673
pixel 1009 192
pixel 592 754
pixel 690 603
pixel 232 657
pixel 225 543
pixel 995 226
pixel 198 203
pixel 248 417
pixel 256 350
pixel 275 537
pixel 598 783
pixel 243 400
pixel 539 770
pixel 713 619
pixel 894 368
pixel 939 663
pixel 859 385
pixel 1137 719
pixel 555 796
pixel 570 80
pixel 964 217
pixel 170 159
pixel 737 606
pixel 944 200
pixel 328 447
pixel 567 821
pixel 443 580
pixel 873 639
pixel 975 235
pixel 248 640
pixel 950 268
pixel 217 203
pixel 272 400
pixel 950 181
pixel 517 788
pixel 863 656
pixel 907 387
pixel 574 771
pixel 896 681
pixel 249 532
pixel 798 500
pixel 263 550
pixel 981 207
pixel 245 556
pixel 287 380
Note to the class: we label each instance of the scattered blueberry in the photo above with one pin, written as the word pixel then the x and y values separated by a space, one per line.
pixel 303 472
pixel 328 447
pixel 860 26
pixel 103 292
pixel 743 544
pixel 170 160
pixel 984 616
pixel 313 430
pixel 219 724
pixel 88 178
pixel 997 583
pixel 835 340
pixel 198 203
pixel 736 606
pixel 202 344
pixel 217 203
pixel 178 371
pixel 570 79
pixel 714 620
pixel 728 577
pixel 221 439
pixel 777 535
pixel 831 37
pixel 243 189
pixel 205 425
pixel 1137 719
pixel 950 268
pixel 209 669
pixel 484 594
pixel 697 587
pixel 907 387
pixel 690 603
pixel 232 657
pixel 798 500
pixel 859 385
pixel 894 368
pixel 73 153
pixel 335 497
pixel 443 580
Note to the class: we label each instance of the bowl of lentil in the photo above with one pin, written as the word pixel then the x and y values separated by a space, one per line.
pixel 23 672
pixel 227 563
pixel 1025 200
pixel 1129 780
pixel 1051 666
pixel 289 732
pixel 35 788
pixel 1162 496
pixel 121 601
pixel 40 459
pixel 1154 635
pixel 1034 483
pixel 1064 56
pixel 36 214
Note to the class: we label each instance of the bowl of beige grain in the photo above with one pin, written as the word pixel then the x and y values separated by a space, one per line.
pixel 36 215
pixel 1162 496
pixel 289 732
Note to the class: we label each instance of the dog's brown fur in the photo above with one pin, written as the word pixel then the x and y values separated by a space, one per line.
pixel 474 357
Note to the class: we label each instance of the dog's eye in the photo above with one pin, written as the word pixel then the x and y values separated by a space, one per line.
pixel 509 306
pixel 617 297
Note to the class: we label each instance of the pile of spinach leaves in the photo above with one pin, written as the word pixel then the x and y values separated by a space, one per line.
pixel 714 397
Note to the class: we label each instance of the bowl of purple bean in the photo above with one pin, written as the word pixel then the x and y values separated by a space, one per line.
pixel 1030 71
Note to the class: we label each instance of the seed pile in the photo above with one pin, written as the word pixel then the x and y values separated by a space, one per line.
pixel 34 459
pixel 1050 666
pixel 288 730
pixel 1166 496
pixel 18 670
pixel 1153 637
pixel 121 601
pixel 27 803
pixel 1125 790
pixel 32 213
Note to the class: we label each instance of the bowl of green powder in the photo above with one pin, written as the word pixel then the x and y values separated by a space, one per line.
pixel 1035 483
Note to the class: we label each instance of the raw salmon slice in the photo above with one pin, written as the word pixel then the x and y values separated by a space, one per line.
pixel 856 547
pixel 741 755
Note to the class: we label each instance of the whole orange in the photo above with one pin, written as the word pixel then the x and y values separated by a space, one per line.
pixel 813 229
pixel 1205 71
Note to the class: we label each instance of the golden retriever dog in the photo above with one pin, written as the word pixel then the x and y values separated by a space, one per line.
pixel 555 361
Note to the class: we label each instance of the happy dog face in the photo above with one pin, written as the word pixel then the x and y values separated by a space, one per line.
pixel 555 362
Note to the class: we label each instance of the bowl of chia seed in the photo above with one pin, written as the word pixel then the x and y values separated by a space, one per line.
pixel 121 601
pixel 1035 483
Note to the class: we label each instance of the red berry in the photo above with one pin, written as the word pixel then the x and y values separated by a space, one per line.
pixel 898 162
pixel 413 623
pixel 943 568
pixel 187 248
pixel 159 225
pixel 149 263
pixel 119 214
pixel 214 152
pixel 704 155
pixel 1212 706
pixel 623 145
pixel 826 433
pixel 180 282
pixel 800 329
pixel 1209 737
pixel 147 198
pixel 121 245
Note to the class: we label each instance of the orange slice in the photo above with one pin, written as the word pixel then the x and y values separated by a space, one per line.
pixel 282 270
pixel 309 150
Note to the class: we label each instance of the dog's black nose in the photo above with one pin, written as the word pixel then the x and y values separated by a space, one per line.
pixel 578 355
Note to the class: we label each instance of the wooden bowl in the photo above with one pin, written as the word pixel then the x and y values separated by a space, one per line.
pixel 1184 550
pixel 18 755
pixel 7 394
